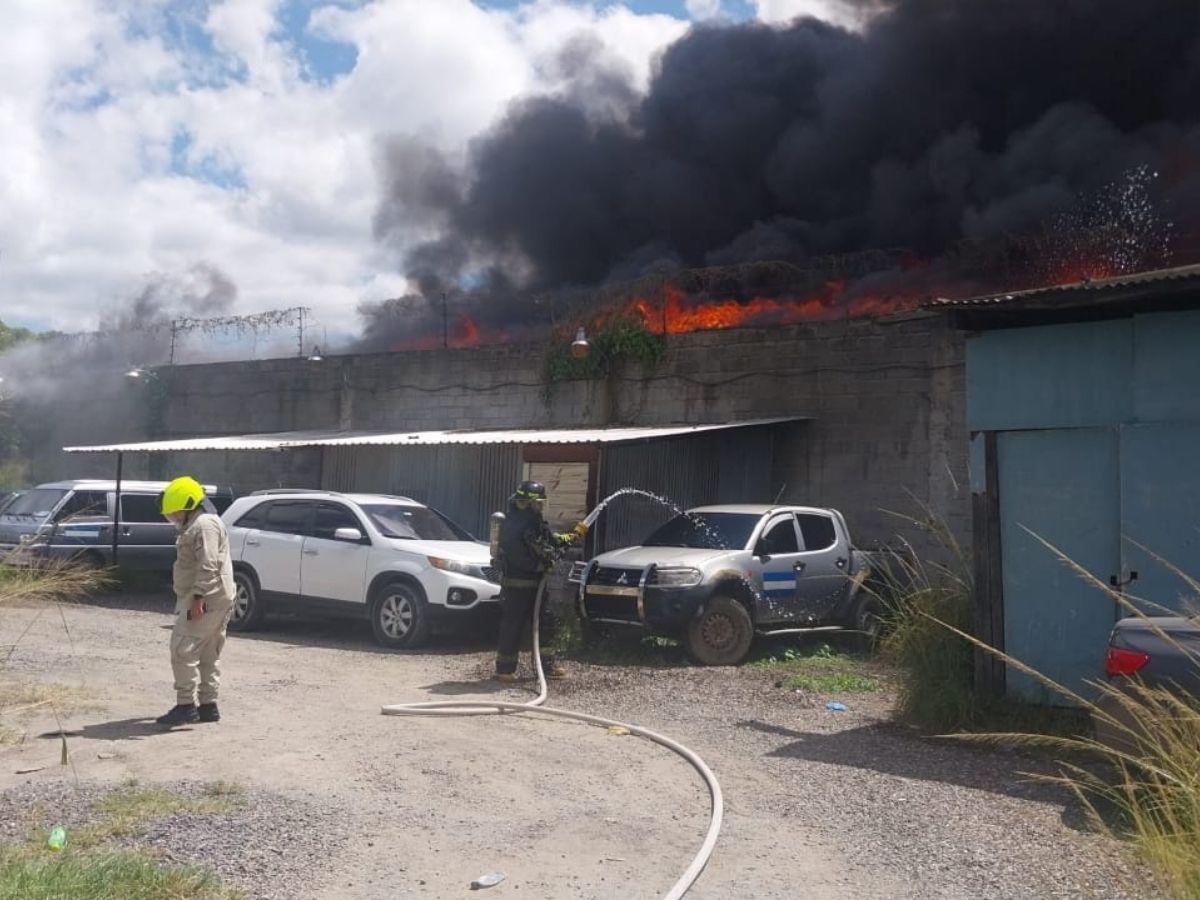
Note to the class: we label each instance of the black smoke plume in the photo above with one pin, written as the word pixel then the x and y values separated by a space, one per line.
pixel 943 121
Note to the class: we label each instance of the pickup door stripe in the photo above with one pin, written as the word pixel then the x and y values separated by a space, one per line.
pixel 780 576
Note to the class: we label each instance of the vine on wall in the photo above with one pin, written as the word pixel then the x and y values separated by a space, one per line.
pixel 618 340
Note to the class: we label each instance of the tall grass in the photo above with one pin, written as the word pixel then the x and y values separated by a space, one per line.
pixel 1143 761
pixel 935 665
pixel 26 581
pixel 55 580
pixel 1137 774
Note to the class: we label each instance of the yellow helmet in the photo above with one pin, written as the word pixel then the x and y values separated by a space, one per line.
pixel 182 495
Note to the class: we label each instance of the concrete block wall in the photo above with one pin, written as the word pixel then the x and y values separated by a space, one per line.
pixel 885 402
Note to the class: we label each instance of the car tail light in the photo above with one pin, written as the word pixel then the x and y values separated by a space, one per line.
pixel 1119 661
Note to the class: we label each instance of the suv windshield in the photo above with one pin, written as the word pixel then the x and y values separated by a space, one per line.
pixel 36 503
pixel 410 522
pixel 711 531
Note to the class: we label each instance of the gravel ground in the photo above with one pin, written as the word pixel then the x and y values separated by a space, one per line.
pixel 948 820
pixel 271 846
pixel 348 803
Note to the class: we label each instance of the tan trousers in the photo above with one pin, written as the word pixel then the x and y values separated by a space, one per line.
pixel 196 655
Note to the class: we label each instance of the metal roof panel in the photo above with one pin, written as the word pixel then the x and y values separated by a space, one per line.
pixel 289 440
pixel 1075 289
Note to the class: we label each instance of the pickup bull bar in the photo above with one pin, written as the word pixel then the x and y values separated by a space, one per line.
pixel 639 593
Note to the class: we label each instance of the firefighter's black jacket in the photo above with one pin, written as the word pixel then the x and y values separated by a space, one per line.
pixel 528 548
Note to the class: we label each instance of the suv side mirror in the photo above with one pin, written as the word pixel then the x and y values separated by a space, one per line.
pixel 351 535
pixel 762 554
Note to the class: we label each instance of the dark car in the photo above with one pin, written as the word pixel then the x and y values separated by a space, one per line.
pixel 1159 651
pixel 74 520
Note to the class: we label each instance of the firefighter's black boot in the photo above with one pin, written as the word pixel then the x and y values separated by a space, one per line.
pixel 209 712
pixel 182 714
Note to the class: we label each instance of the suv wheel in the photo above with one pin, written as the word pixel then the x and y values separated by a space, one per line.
pixel 248 610
pixel 400 615
pixel 721 634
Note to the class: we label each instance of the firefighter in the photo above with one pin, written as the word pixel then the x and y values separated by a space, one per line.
pixel 528 549
pixel 204 593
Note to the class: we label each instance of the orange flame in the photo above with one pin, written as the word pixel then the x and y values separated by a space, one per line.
pixel 673 314
pixel 672 311
pixel 465 332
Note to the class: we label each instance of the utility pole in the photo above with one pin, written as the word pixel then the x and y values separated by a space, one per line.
pixel 445 324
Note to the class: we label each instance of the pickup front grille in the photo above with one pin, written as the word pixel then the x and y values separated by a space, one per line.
pixel 615 577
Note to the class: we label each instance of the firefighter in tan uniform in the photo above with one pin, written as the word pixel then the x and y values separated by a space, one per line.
pixel 204 592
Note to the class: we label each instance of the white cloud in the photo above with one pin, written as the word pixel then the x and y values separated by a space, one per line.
pixel 100 108
pixel 703 9
pixel 839 12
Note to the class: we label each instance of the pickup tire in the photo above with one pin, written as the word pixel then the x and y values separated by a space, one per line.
pixel 399 615
pixel 720 634
pixel 248 607
pixel 867 620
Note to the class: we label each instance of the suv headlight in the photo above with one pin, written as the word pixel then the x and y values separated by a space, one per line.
pixel 676 577
pixel 454 565
pixel 576 574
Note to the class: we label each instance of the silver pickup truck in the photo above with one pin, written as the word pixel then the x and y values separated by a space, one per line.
pixel 715 575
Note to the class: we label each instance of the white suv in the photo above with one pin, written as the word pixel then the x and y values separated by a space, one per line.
pixel 389 559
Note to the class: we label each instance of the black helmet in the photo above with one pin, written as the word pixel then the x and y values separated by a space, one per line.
pixel 530 490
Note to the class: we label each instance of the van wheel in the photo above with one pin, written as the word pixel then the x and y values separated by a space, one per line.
pixel 721 634
pixel 248 608
pixel 400 615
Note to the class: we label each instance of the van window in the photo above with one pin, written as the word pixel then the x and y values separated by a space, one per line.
pixel 818 531
pixel 142 508
pixel 36 503
pixel 84 503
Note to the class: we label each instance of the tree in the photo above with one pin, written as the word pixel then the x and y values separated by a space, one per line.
pixel 10 336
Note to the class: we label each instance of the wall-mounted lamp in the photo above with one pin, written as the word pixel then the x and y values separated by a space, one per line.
pixel 138 375
pixel 580 346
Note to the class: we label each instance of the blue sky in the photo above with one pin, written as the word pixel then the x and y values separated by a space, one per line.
pixel 329 59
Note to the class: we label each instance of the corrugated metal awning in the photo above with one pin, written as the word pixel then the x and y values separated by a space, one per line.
pixel 289 440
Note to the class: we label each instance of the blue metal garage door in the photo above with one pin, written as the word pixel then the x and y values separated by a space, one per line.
pixel 1160 509
pixel 1061 484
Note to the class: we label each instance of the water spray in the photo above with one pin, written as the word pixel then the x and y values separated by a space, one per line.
pixel 496 707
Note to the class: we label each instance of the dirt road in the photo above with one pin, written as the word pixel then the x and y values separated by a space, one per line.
pixel 348 803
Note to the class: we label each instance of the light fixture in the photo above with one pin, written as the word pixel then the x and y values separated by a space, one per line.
pixel 580 346
pixel 140 375
pixel 315 356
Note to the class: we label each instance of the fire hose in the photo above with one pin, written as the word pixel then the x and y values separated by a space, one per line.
pixel 497 707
